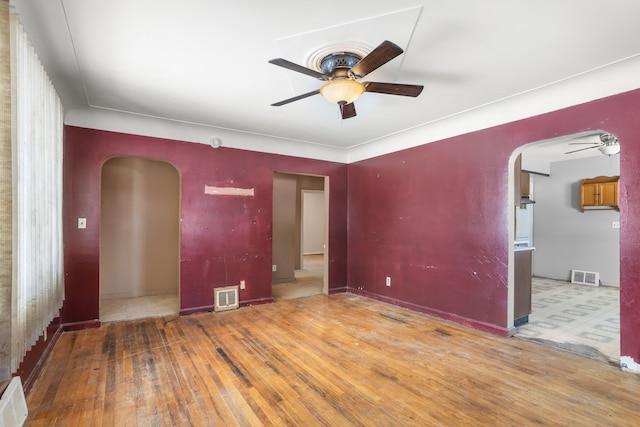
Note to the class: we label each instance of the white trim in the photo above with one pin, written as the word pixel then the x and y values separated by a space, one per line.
pixel 627 363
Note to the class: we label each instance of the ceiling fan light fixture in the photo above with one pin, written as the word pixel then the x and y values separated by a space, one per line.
pixel 610 144
pixel 342 91
pixel 610 149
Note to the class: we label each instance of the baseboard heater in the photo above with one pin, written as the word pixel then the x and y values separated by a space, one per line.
pixel 13 406
pixel 226 298
pixel 585 277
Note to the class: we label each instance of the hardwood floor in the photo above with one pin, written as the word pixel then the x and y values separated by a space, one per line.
pixel 335 360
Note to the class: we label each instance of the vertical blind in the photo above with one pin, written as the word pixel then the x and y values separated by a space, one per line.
pixel 6 193
pixel 37 128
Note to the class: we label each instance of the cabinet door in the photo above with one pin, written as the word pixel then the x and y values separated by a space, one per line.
pixel 525 182
pixel 589 194
pixel 609 194
pixel 522 283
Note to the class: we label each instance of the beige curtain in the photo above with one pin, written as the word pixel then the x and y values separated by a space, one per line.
pixel 37 281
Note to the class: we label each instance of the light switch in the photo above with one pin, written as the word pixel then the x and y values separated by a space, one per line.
pixel 82 222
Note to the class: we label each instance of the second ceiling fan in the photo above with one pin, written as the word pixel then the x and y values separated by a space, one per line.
pixel 607 144
pixel 341 72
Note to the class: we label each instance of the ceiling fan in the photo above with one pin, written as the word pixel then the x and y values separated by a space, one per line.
pixel 607 145
pixel 341 72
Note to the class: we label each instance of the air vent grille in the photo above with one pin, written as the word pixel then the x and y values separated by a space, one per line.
pixel 585 277
pixel 226 298
pixel 13 406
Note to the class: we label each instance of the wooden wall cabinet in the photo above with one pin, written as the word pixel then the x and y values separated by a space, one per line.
pixel 521 184
pixel 525 184
pixel 599 192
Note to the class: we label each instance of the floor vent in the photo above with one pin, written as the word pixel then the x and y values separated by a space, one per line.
pixel 226 298
pixel 13 406
pixel 585 277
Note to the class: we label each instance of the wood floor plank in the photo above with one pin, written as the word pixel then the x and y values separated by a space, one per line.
pixel 336 360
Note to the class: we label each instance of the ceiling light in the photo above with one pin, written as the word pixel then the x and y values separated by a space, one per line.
pixel 610 149
pixel 610 145
pixel 342 91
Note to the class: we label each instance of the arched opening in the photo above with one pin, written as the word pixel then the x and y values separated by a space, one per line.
pixel 139 239
pixel 565 240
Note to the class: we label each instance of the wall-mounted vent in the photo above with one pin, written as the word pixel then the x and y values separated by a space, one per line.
pixel 226 298
pixel 13 406
pixel 585 277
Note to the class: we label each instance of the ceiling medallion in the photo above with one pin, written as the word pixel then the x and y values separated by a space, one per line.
pixel 331 62
pixel 333 54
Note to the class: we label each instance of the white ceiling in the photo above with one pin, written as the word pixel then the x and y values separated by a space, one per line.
pixel 197 69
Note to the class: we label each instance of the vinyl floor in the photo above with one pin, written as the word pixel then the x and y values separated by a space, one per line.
pixel 581 317
pixel 309 280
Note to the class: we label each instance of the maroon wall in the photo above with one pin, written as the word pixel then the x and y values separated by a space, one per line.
pixel 434 217
pixel 223 239
pixel 34 359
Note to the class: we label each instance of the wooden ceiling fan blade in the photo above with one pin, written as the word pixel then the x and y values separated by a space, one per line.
pixel 394 88
pixel 582 149
pixel 347 110
pixel 376 58
pixel 299 68
pixel 296 98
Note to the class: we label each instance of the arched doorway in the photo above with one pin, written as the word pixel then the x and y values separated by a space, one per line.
pixel 576 317
pixel 139 239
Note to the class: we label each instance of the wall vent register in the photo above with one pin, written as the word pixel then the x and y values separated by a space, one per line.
pixel 585 277
pixel 13 405
pixel 226 298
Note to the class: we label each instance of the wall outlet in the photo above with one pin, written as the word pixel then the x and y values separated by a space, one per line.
pixel 615 224
pixel 388 281
pixel 243 285
pixel 274 267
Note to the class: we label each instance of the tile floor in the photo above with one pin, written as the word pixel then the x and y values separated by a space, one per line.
pixel 112 310
pixel 576 317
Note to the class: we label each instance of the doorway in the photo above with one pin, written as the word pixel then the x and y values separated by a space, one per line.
pixel 575 317
pixel 300 227
pixel 139 239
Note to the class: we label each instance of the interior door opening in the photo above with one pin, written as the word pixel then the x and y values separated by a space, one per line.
pixel 139 239
pixel 576 317
pixel 300 227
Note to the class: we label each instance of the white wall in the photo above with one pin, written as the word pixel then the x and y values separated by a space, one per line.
pixel 284 227
pixel 139 228
pixel 566 238
pixel 313 222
